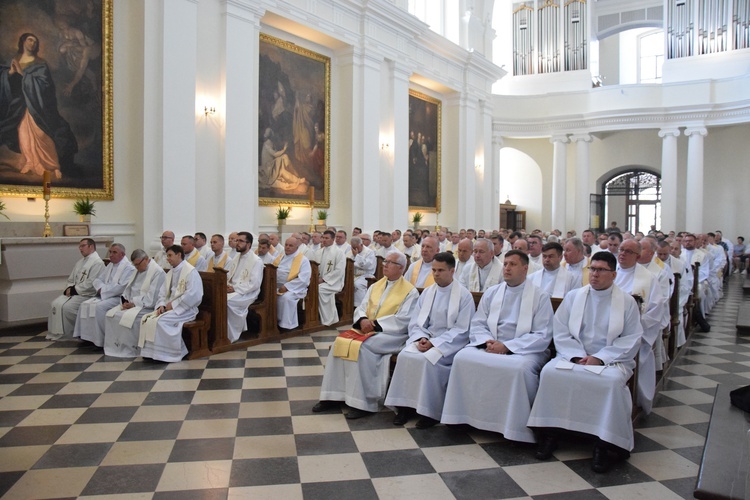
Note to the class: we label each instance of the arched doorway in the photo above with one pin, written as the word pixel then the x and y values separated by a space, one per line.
pixel 633 200
pixel 521 181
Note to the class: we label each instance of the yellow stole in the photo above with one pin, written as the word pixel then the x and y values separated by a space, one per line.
pixel 192 260
pixel 296 264
pixel 415 275
pixel 221 264
pixel 347 344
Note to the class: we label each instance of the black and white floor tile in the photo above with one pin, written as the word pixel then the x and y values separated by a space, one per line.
pixel 74 423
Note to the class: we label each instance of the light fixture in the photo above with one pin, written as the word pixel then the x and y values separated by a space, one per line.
pixel 384 146
pixel 209 110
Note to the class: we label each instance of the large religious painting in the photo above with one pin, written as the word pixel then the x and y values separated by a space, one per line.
pixel 56 97
pixel 424 152
pixel 293 150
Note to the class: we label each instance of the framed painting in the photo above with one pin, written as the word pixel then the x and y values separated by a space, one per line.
pixel 425 123
pixel 294 110
pixel 56 98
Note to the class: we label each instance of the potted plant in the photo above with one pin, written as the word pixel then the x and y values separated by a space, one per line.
pixel 84 208
pixel 322 216
pixel 416 219
pixel 2 210
pixel 282 214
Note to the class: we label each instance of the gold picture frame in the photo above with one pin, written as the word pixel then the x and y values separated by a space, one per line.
pixel 294 96
pixel 74 52
pixel 425 162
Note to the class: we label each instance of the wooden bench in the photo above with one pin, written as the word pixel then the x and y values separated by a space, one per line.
pixel 211 323
pixel 346 296
pixel 724 464
pixel 743 318
pixel 746 285
pixel 674 318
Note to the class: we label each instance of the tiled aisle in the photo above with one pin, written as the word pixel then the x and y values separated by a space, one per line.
pixel 74 423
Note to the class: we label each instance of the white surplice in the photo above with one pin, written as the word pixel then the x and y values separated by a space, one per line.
pixel 521 318
pixel 245 275
pixel 64 310
pixel 365 263
pixel 477 279
pixel 556 283
pixel 332 269
pixel 296 289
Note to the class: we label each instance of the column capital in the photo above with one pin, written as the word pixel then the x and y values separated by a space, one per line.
pixel 563 138
pixel 401 70
pixel 669 132
pixel 581 138
pixel 701 131
pixel 244 11
pixel 497 140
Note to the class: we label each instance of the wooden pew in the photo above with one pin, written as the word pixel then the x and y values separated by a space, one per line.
pixel 346 296
pixel 693 302
pixel 378 270
pixel 674 318
pixel 307 308
pixel 211 323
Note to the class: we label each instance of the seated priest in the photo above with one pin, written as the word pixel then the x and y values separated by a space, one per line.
pixel 576 261
pixel 523 245
pixel 331 274
pixel 419 273
pixel 244 278
pixel 292 277
pixel 167 240
pixel 160 337
pixel 508 346
pixel 264 251
pixel 64 311
pixel 553 278
pixel 597 333
pixel 123 322
pixel 462 254
pixel 192 255
pixel 364 267
pixel 218 256
pixel 109 286
pixel 438 329
pixel 357 368
pixel 484 271
pixel 681 268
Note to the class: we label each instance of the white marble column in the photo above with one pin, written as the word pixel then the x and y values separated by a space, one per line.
pixel 169 167
pixel 559 177
pixel 582 203
pixel 497 144
pixel 694 208
pixel 240 108
pixel 398 156
pixel 669 178
pixel 487 188
pixel 467 178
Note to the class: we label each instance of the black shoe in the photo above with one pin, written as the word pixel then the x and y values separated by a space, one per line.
pixel 547 445
pixel 426 422
pixel 600 463
pixel 324 405
pixel 356 413
pixel 403 415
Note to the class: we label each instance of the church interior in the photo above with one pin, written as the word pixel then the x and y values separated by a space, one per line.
pixel 553 108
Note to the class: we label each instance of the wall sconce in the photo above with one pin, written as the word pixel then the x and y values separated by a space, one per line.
pixel 209 110
pixel 478 167
pixel 384 146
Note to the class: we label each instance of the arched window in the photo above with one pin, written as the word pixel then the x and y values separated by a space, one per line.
pixel 443 16
pixel 633 200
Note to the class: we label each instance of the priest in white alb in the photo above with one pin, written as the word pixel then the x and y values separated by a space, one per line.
pixel 553 278
pixel 495 378
pixel 109 286
pixel 244 278
pixel 160 257
pixel 123 321
pixel 192 255
pixel 357 372
pixel 484 270
pixel 160 337
pixel 364 267
pixel 575 260
pixel 331 274
pixel 419 273
pixel 597 333
pixel 64 310
pixel 218 256
pixel 292 277
pixel 438 329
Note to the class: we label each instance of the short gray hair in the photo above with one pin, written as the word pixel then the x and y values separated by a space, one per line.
pixel 119 246
pixel 356 240
pixel 488 242
pixel 138 253
pixel 401 258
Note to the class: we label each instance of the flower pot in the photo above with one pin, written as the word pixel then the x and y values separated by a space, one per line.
pixel 281 222
pixel 321 222
pixel 85 218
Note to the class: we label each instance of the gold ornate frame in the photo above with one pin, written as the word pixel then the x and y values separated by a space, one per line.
pixel 290 51
pixel 436 133
pixel 106 191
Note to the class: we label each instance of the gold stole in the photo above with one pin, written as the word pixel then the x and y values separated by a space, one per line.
pixel 221 264
pixel 415 275
pixel 194 259
pixel 296 264
pixel 347 344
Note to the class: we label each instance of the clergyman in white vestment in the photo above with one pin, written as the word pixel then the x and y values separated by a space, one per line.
pixel 553 278
pixel 438 329
pixel 365 263
pixel 597 333
pixel 293 277
pixel 123 321
pixel 161 331
pixel 386 309
pixel 64 309
pixel 218 257
pixel 192 255
pixel 484 270
pixel 331 274
pixel 419 273
pixel 244 278
pixel 494 379
pixel 160 257
pixel 109 286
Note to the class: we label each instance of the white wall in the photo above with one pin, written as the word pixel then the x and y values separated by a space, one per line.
pixel 521 180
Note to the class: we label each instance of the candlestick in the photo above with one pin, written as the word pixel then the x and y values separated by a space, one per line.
pixel 46 193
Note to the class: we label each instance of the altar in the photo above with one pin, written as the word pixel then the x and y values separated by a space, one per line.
pixel 33 271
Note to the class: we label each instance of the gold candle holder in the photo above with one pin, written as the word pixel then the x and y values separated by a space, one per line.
pixel 46 192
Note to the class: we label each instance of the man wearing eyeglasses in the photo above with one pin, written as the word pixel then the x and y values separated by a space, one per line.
pixel 597 333
pixel 167 240
pixel 62 317
pixel 634 279
pixel 109 286
pixel 244 278
pixel 384 313
pixel 123 321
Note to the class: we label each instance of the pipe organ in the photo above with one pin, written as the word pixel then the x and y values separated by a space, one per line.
pixel 697 27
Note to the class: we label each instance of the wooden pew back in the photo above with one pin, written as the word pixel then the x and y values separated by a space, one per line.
pixel 346 296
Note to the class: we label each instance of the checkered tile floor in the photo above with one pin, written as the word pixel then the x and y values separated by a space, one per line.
pixel 76 423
